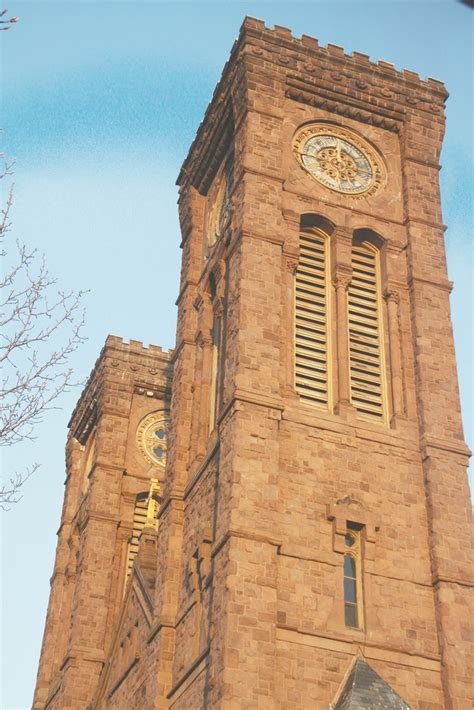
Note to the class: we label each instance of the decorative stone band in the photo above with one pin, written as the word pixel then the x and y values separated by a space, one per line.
pixel 337 105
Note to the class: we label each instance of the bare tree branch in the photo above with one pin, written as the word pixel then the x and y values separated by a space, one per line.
pixel 41 326
pixel 34 318
pixel 10 492
pixel 7 23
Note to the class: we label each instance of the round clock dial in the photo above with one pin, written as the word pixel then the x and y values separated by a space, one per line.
pixel 218 209
pixel 338 159
pixel 215 218
pixel 151 438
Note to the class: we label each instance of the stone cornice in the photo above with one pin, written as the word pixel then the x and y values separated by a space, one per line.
pixel 451 446
pixel 113 520
pixel 451 580
pixel 321 97
pixel 247 170
pixel 362 430
pixel 444 285
pixel 244 534
pixel 87 419
pixel 257 399
pixel 212 141
pixel 426 163
pixel 425 222
pixel 272 238
pixel 354 641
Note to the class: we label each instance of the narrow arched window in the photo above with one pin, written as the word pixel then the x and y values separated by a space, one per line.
pixel 215 371
pixel 365 333
pixel 88 463
pixel 312 361
pixel 353 608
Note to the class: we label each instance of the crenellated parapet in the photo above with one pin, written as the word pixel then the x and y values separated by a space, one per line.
pixel 325 77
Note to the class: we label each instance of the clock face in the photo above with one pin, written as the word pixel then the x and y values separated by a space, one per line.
pixel 151 438
pixel 218 208
pixel 338 159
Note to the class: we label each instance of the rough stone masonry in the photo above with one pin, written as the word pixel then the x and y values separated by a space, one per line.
pixel 289 554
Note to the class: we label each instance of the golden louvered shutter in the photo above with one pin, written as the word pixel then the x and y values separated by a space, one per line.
pixel 139 520
pixel 311 320
pixel 365 333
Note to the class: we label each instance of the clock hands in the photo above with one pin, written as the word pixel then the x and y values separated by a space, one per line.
pixel 315 157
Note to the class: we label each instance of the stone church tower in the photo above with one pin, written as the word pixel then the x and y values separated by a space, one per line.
pixel 307 543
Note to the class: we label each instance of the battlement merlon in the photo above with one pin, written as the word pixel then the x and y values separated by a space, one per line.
pixel 347 84
pixel 148 367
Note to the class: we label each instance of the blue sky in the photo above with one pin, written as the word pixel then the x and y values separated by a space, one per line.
pixel 100 102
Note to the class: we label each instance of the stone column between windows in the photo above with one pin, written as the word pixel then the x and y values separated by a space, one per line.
pixel 341 268
pixel 341 284
pixel 393 299
pixel 290 260
pixel 288 309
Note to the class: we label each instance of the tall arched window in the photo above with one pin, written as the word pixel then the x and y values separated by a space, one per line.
pixel 89 462
pixel 215 371
pixel 312 358
pixel 139 520
pixel 365 333
pixel 353 606
pixel 146 508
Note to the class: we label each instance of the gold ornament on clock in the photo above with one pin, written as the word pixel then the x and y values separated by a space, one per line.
pixel 339 158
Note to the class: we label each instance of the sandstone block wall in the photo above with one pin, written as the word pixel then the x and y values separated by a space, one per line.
pixel 244 607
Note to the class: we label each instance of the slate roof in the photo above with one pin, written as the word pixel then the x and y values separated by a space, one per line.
pixel 364 688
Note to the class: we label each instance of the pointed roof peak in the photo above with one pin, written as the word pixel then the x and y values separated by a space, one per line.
pixel 364 688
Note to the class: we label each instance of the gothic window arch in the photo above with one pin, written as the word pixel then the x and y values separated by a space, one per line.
pixel 365 325
pixel 312 365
